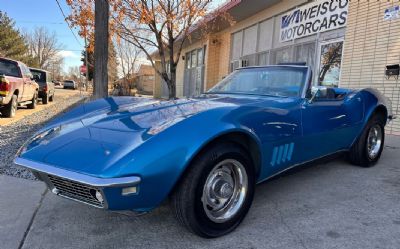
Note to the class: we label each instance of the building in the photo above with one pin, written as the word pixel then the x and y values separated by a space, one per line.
pixel 347 43
pixel 144 80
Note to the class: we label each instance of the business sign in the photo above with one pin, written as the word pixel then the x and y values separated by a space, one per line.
pixel 392 13
pixel 312 18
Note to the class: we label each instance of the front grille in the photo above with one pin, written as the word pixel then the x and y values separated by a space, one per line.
pixel 75 190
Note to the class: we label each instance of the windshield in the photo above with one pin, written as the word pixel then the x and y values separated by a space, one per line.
pixel 9 68
pixel 41 76
pixel 276 81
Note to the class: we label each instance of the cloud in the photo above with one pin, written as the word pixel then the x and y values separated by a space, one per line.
pixel 68 54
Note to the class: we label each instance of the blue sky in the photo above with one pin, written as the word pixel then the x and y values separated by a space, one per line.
pixel 29 14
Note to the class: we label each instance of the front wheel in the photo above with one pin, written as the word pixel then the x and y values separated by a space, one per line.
pixel 367 150
pixel 216 192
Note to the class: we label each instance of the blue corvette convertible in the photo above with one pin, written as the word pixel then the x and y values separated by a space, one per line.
pixel 206 153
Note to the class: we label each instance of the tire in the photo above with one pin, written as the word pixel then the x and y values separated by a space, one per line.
pixel 10 109
pixel 189 203
pixel 34 101
pixel 51 99
pixel 360 154
pixel 45 99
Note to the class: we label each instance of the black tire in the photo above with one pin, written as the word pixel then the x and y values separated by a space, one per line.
pixel 186 200
pixel 359 154
pixel 33 103
pixel 11 108
pixel 45 99
pixel 51 99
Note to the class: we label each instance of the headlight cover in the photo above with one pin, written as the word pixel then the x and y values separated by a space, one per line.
pixel 38 139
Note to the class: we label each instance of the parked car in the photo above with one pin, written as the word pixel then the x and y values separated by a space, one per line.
pixel 205 153
pixel 46 85
pixel 17 87
pixel 70 84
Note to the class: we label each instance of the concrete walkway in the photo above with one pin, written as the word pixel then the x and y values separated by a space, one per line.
pixel 19 202
pixel 332 205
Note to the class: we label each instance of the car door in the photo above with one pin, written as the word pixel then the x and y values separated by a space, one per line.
pixel 328 125
pixel 29 87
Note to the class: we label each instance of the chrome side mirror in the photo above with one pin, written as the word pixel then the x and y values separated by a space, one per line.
pixel 315 92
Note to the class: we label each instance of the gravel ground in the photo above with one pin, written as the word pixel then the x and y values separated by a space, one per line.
pixel 14 135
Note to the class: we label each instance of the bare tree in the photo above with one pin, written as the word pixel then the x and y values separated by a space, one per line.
pixel 43 46
pixel 128 58
pixel 155 26
pixel 73 73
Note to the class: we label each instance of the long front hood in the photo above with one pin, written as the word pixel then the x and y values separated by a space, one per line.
pixel 95 136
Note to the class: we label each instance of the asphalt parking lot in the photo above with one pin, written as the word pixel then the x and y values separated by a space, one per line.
pixel 326 205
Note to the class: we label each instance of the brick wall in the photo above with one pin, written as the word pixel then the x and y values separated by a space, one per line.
pixel 371 43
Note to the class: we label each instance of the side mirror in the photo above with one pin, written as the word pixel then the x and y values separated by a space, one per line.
pixel 315 92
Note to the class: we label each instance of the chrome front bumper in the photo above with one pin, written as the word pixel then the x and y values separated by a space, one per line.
pixel 76 186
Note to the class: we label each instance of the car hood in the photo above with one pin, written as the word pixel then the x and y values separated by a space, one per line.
pixel 95 136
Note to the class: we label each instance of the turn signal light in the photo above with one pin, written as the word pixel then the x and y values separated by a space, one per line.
pixel 129 191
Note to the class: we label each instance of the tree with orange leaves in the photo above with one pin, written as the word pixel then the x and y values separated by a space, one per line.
pixel 158 27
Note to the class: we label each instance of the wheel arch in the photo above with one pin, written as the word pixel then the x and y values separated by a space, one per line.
pixel 244 139
pixel 378 110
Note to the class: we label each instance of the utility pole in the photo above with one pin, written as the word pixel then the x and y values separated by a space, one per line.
pixel 87 65
pixel 101 49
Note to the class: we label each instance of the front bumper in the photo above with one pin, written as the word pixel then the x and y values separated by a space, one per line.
pixel 82 188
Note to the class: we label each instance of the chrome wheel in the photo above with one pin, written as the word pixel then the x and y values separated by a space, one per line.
pixel 225 190
pixel 374 141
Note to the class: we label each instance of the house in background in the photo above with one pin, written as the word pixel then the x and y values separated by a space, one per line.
pixel 144 79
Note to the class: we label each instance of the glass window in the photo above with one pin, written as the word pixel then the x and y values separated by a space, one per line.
pixel 200 57
pixel 250 40
pixel 330 63
pixel 237 45
pixel 9 68
pixel 194 59
pixel 263 59
pixel 188 60
pixel 283 55
pixel 266 33
pixel 276 81
pixel 305 53
pixel 41 76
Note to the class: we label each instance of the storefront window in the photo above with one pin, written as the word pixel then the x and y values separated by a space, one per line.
pixel 263 59
pixel 283 55
pixel 194 58
pixel 305 53
pixel 330 63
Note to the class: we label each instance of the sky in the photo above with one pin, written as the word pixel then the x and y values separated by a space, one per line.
pixel 29 14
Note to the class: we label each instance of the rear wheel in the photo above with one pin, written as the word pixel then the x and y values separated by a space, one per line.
pixel 367 150
pixel 45 99
pixel 33 103
pixel 217 191
pixel 10 110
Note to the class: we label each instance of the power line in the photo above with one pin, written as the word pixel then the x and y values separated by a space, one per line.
pixel 41 22
pixel 65 18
